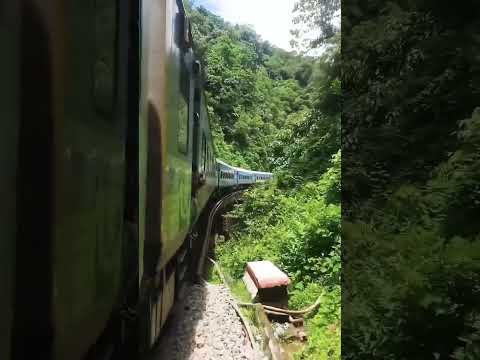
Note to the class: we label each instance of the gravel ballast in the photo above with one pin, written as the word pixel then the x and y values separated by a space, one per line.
pixel 205 326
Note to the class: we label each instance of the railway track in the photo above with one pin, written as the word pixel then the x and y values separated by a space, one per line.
pixel 205 324
pixel 206 245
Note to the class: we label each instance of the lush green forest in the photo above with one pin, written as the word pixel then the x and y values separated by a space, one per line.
pixel 411 180
pixel 408 92
pixel 279 111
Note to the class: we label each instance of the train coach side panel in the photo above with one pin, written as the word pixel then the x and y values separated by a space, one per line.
pixel 177 160
pixel 165 154
pixel 227 175
pixel 167 114
pixel 85 81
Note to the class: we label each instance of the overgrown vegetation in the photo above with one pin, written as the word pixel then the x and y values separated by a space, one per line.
pixel 280 111
pixel 411 180
pixel 299 230
pixel 255 91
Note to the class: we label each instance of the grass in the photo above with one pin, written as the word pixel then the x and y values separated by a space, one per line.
pixel 212 276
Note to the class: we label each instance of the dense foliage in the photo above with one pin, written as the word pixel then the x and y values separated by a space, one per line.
pixel 254 89
pixel 299 230
pixel 316 23
pixel 280 111
pixel 411 180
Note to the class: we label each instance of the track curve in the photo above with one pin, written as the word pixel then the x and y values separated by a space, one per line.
pixel 219 205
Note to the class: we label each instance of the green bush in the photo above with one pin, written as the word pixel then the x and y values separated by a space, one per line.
pixel 299 230
pixel 419 260
pixel 325 330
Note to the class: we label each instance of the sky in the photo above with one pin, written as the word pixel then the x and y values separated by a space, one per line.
pixel 271 19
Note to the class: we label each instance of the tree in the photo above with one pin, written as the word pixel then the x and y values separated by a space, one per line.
pixel 252 87
pixel 316 22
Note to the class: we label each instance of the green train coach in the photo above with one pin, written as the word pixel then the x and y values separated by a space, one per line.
pixel 108 168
